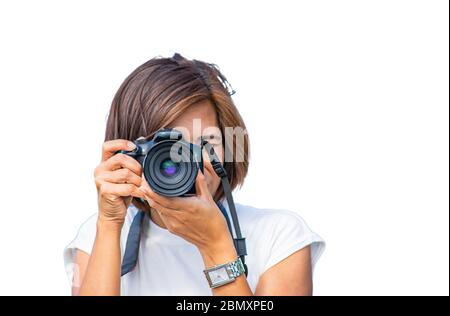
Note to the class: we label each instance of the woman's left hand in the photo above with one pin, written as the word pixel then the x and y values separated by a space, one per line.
pixel 196 219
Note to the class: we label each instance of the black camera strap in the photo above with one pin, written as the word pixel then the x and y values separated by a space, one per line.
pixel 239 241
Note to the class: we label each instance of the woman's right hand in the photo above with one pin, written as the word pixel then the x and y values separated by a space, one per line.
pixel 117 178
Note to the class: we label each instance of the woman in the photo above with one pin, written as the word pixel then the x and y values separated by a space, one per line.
pixel 182 238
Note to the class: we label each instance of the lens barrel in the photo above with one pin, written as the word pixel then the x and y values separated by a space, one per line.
pixel 170 168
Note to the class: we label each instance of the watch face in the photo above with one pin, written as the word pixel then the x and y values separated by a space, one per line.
pixel 219 275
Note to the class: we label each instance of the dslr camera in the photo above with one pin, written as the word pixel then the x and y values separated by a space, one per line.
pixel 170 164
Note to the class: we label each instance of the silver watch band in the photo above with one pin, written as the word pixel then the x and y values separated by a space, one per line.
pixel 224 273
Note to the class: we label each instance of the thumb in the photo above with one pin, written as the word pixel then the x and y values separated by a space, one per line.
pixel 201 187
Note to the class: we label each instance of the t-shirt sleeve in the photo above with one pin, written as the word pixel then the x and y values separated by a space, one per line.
pixel 84 241
pixel 290 233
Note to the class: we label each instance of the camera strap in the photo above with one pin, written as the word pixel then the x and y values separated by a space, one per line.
pixel 239 241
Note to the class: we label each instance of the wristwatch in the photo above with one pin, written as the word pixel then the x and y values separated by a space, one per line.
pixel 224 273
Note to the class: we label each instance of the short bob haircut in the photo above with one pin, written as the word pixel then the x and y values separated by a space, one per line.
pixel 157 93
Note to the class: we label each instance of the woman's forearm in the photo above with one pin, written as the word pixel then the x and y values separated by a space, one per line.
pixel 102 275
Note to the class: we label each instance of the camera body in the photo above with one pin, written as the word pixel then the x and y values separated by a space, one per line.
pixel 170 164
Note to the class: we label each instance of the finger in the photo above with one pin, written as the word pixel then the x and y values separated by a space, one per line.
pixel 111 146
pixel 123 175
pixel 174 203
pixel 121 189
pixel 201 186
pixel 123 161
pixel 168 216
pixel 167 221
pixel 167 212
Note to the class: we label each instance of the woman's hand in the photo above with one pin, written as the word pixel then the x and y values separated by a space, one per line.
pixel 196 219
pixel 117 178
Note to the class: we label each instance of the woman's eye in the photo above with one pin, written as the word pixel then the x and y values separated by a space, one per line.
pixel 213 139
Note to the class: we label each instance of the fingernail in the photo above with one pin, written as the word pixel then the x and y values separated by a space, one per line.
pixel 131 145
pixel 150 201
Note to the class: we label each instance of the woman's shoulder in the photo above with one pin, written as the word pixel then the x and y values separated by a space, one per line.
pixel 281 231
pixel 268 216
pixel 276 224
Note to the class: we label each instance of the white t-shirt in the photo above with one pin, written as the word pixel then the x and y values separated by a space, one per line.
pixel 169 265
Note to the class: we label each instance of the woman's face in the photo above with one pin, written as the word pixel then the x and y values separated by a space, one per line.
pixel 200 120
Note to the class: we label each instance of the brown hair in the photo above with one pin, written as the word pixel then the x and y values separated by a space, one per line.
pixel 158 92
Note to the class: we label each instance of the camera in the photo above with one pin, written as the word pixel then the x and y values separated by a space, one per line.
pixel 170 164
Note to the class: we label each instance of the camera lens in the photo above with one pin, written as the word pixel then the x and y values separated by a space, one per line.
pixel 170 169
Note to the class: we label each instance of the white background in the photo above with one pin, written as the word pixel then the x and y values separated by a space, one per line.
pixel 346 103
